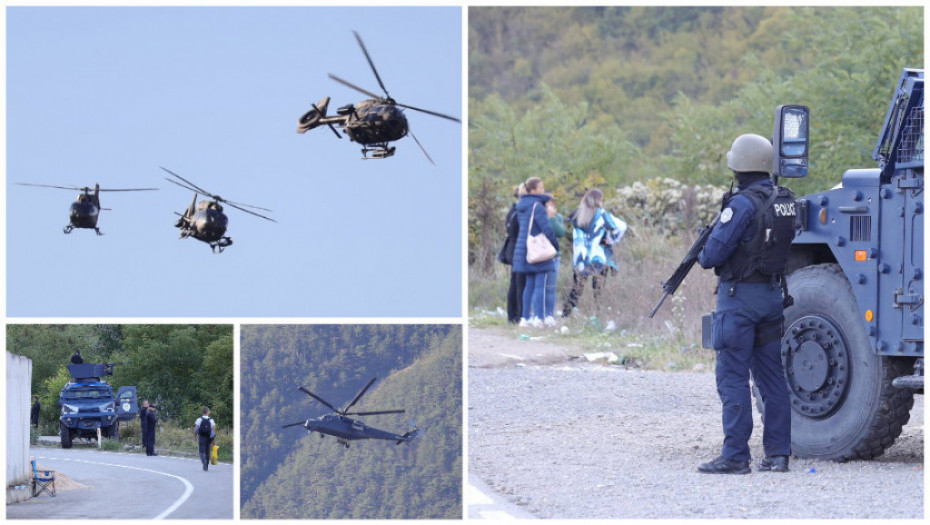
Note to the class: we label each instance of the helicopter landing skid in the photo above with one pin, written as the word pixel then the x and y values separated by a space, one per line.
pixel 68 228
pixel 378 152
pixel 220 245
pixel 343 442
pixel 98 231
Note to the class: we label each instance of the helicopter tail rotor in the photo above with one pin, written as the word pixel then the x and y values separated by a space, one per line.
pixel 312 118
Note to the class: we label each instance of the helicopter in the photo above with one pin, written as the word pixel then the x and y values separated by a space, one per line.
pixel 346 429
pixel 373 123
pixel 205 220
pixel 86 209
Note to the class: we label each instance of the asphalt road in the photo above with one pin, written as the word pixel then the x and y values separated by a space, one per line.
pixel 129 486
pixel 575 440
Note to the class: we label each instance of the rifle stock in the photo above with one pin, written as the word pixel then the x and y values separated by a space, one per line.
pixel 685 265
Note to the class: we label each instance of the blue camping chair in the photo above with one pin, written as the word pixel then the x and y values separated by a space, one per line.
pixel 44 483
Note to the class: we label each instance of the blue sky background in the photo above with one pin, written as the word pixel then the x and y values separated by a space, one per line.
pixel 106 95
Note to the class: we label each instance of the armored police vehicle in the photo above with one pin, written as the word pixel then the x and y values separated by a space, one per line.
pixel 853 343
pixel 87 403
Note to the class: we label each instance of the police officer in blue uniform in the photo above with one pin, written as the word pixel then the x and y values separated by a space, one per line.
pixel 748 249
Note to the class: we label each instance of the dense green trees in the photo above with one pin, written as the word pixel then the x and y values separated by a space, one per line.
pixel 287 473
pixel 182 368
pixel 603 96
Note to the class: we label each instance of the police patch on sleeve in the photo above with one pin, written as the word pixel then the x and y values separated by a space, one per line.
pixel 726 215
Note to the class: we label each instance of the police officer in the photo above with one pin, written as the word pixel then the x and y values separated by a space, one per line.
pixel 76 358
pixel 748 249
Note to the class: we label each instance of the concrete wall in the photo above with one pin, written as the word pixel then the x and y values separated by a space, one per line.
pixel 18 403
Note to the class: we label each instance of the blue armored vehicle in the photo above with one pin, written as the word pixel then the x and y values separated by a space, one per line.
pixel 87 403
pixel 853 343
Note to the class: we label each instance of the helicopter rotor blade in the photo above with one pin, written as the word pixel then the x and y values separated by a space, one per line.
pixel 428 112
pixel 318 398
pixel 247 211
pixel 353 86
pixel 430 159
pixel 185 186
pixel 375 412
pixel 360 394
pixel 234 203
pixel 302 423
pixel 370 63
pixel 192 185
pixel 129 189
pixel 75 188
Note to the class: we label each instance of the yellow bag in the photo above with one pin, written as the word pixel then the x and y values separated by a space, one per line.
pixel 214 458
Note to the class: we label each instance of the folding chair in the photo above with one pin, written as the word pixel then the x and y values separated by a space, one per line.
pixel 44 483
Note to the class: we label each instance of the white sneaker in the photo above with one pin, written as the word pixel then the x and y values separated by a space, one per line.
pixel 549 321
pixel 536 322
pixel 523 323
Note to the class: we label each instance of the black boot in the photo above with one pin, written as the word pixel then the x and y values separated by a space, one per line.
pixel 722 465
pixel 774 464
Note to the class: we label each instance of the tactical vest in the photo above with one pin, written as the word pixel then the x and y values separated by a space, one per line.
pixel 765 255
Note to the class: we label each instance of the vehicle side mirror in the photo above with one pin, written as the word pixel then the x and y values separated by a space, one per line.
pixel 791 141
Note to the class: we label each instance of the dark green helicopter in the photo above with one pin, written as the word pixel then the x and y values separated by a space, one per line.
pixel 346 429
pixel 373 123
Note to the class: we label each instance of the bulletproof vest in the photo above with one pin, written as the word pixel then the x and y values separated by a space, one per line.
pixel 765 254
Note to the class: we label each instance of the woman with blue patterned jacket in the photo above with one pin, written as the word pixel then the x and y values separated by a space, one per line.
pixel 594 232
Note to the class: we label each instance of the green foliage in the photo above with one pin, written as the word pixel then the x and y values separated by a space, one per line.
pixel 603 96
pixel 181 368
pixel 288 473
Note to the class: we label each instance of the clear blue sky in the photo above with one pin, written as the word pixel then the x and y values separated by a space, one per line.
pixel 107 95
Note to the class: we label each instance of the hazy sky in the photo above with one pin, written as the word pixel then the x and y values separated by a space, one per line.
pixel 107 95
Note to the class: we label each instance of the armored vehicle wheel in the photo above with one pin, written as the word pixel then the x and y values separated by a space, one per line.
pixel 65 435
pixel 843 404
pixel 113 433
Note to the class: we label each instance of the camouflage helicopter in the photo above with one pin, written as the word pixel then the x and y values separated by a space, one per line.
pixel 346 429
pixel 373 123
pixel 86 209
pixel 205 220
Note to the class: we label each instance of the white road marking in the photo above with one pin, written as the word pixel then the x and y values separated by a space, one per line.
pixel 189 489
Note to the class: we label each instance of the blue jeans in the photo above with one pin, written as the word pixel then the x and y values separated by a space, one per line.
pixel 534 295
pixel 747 336
pixel 552 278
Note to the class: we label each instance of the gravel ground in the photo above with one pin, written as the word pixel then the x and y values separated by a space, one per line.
pixel 588 441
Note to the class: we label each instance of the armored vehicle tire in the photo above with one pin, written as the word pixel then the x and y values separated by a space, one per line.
pixel 113 432
pixel 843 404
pixel 65 435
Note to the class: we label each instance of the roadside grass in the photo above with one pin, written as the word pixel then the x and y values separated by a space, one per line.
pixel 170 439
pixel 618 321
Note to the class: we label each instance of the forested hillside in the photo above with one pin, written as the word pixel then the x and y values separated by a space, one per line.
pixel 290 473
pixel 605 96
pixel 180 368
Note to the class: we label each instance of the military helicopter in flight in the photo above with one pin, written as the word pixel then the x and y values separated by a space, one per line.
pixel 346 429
pixel 205 220
pixel 86 209
pixel 373 123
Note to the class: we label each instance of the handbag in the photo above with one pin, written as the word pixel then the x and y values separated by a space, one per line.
pixel 538 247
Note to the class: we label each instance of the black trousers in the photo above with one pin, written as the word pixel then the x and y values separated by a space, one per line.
pixel 149 441
pixel 515 297
pixel 579 280
pixel 204 445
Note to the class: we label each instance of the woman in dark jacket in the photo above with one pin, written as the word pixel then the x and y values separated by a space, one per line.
pixel 533 205
pixel 517 280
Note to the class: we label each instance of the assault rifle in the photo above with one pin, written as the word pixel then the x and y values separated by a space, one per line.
pixel 686 264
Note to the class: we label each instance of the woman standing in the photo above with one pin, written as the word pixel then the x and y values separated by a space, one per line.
pixel 533 220
pixel 595 231
pixel 558 227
